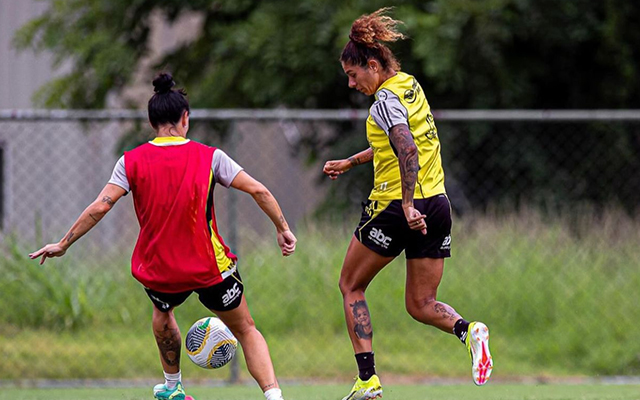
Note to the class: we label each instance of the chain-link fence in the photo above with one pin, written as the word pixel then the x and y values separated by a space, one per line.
pixel 545 245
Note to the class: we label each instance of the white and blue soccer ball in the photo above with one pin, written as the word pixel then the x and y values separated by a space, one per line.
pixel 210 343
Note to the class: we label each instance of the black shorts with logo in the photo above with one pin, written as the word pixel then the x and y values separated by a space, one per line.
pixel 224 296
pixel 384 229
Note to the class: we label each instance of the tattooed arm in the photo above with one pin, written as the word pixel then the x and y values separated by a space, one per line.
pixel 87 220
pixel 333 168
pixel 402 141
pixel 270 206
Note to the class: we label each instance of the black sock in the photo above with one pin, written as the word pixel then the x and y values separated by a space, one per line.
pixel 460 329
pixel 366 365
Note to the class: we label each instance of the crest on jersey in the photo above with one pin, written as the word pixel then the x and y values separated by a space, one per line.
pixel 410 94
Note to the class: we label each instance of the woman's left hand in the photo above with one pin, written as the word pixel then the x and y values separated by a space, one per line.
pixel 415 219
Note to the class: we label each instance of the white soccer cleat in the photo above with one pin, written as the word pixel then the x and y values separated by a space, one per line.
pixel 477 342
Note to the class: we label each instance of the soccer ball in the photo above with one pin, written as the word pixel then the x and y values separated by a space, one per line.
pixel 210 344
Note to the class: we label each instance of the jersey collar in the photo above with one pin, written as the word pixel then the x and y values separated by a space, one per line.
pixel 169 141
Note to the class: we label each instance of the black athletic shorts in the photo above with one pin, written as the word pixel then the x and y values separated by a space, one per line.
pixel 384 229
pixel 223 296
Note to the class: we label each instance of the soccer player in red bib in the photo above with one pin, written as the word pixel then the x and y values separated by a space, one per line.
pixel 408 209
pixel 179 249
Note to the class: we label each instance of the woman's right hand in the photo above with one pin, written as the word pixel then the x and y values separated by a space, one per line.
pixel 333 168
pixel 287 242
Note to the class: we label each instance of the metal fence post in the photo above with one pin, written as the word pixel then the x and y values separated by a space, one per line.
pixel 232 211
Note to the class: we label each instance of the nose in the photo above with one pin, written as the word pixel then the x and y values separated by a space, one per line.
pixel 352 83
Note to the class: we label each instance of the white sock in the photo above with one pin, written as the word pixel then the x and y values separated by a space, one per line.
pixel 171 380
pixel 273 394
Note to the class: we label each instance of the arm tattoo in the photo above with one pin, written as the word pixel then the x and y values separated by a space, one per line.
pixel 94 218
pixel 169 342
pixel 108 200
pixel 361 158
pixel 69 236
pixel 407 151
pixel 361 320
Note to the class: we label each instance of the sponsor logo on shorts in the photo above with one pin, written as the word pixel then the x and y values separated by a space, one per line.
pixel 231 295
pixel 379 238
pixel 446 243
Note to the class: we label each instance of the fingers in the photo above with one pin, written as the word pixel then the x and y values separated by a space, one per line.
pixel 287 242
pixel 417 223
pixel 332 169
pixel 36 254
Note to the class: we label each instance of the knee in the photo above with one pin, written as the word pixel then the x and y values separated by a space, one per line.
pixel 416 307
pixel 243 327
pixel 349 285
pixel 160 317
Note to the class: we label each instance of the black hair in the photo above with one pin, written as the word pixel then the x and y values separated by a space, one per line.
pixel 166 106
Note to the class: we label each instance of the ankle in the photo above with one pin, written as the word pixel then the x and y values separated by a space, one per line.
pixel 273 394
pixel 172 380
pixel 460 329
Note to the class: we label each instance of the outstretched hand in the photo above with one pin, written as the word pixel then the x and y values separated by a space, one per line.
pixel 415 219
pixel 287 242
pixel 333 168
pixel 48 251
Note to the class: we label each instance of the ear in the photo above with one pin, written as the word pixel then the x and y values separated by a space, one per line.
pixel 185 118
pixel 374 65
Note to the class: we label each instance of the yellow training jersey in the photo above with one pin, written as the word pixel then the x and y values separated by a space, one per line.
pixel 401 100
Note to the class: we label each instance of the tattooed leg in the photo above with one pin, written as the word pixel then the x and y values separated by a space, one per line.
pixel 168 339
pixel 360 266
pixel 423 278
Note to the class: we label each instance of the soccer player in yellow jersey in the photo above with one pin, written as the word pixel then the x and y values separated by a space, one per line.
pixel 407 209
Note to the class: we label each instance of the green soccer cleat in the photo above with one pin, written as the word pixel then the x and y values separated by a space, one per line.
pixel 161 392
pixel 363 390
pixel 477 342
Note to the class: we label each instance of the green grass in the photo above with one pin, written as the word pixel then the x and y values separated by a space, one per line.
pixel 334 392
pixel 559 295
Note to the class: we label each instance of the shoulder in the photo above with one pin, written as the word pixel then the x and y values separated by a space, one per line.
pixel 137 150
pixel 204 148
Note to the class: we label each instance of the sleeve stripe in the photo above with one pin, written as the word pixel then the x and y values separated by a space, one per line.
pixel 384 114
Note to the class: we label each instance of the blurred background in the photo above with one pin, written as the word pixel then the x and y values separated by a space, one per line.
pixel 536 104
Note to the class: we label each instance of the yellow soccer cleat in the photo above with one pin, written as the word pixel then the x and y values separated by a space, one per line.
pixel 362 390
pixel 477 342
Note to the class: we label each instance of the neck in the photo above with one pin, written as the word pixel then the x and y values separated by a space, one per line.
pixel 387 74
pixel 171 130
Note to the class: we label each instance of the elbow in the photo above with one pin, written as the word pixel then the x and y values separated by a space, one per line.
pixel 259 192
pixel 99 209
pixel 412 150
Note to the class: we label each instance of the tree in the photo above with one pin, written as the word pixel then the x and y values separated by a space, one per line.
pixel 263 53
pixel 266 53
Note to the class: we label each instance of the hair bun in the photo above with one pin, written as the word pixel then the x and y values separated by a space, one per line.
pixel 163 83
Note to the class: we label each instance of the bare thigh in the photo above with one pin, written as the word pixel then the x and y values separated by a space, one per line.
pixel 360 266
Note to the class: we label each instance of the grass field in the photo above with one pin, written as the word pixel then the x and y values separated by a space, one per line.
pixel 561 300
pixel 336 392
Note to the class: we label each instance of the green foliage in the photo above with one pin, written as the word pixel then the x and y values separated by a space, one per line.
pixel 466 53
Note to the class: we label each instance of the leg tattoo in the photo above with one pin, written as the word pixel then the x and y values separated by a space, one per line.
pixel 446 311
pixel 362 320
pixel 169 343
